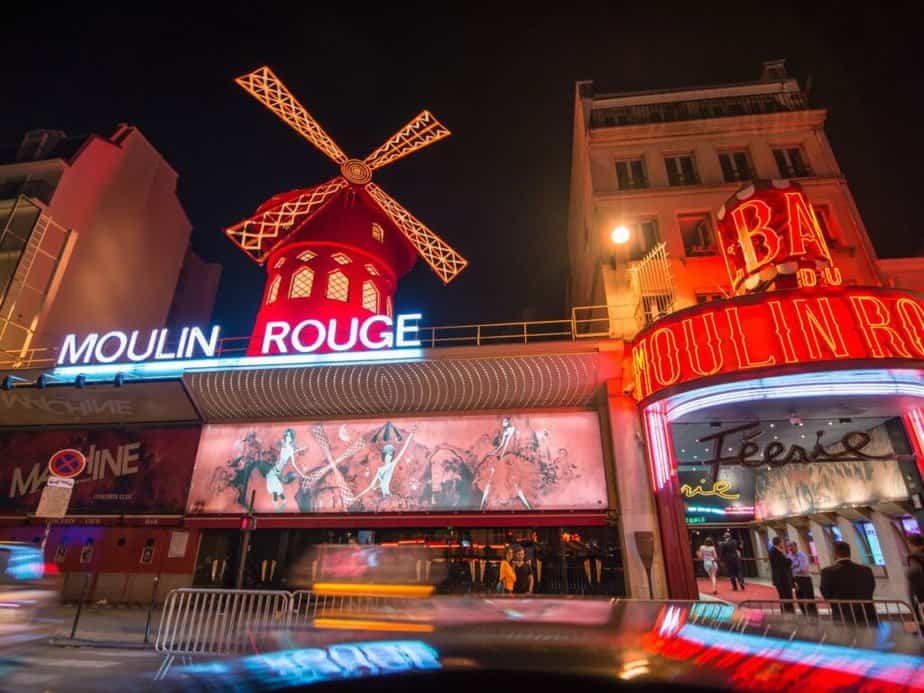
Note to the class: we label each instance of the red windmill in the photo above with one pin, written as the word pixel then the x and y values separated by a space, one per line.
pixel 336 251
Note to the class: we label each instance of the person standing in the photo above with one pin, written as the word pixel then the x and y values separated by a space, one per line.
pixel 805 590
pixel 846 580
pixel 781 573
pixel 731 557
pixel 508 577
pixel 523 571
pixel 916 571
pixel 710 559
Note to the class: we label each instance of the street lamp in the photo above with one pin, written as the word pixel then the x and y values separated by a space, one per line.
pixel 620 235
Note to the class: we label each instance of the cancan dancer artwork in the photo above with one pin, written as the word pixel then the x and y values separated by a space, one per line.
pixel 479 463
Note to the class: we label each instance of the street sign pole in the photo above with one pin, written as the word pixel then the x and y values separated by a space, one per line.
pixel 245 543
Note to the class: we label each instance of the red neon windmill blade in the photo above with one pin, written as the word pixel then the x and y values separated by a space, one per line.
pixel 263 233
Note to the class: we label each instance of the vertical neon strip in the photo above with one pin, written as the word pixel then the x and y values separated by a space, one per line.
pixel 658 442
pixel 915 419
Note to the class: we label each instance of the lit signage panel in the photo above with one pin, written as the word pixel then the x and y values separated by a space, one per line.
pixel 128 469
pixel 778 329
pixel 728 498
pixel 474 463
pixel 310 336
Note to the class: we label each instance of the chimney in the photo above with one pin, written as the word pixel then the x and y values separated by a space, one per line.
pixel 773 71
pixel 37 144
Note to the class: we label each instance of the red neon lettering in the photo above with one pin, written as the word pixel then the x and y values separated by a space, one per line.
pixel 755 234
pixel 825 327
pixel 783 332
pixel 737 336
pixel 912 316
pixel 641 368
pixel 807 278
pixel 876 322
pixel 712 342
pixel 803 226
pixel 667 351
pixel 833 276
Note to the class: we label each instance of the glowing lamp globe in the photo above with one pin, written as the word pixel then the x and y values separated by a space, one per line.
pixel 620 235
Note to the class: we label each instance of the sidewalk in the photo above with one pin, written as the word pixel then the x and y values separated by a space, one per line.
pixel 109 626
pixel 754 589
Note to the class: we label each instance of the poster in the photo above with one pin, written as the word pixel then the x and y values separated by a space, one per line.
pixel 129 470
pixel 473 463
pixel 803 489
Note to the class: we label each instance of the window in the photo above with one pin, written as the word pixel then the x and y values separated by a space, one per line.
pixel 370 268
pixel 791 162
pixel 370 297
pixel 301 283
pixel 341 259
pixel 736 166
pixel 645 237
pixel 680 170
pixel 378 233
pixel 388 308
pixel 307 255
pixel 696 231
pixel 279 263
pixel 631 174
pixel 708 297
pixel 273 290
pixel 338 286
pixel 828 229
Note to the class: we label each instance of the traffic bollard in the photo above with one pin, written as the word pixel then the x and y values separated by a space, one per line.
pixel 147 625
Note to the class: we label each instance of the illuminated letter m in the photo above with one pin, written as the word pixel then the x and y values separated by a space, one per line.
pixel 70 353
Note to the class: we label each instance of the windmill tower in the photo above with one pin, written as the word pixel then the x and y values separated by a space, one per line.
pixel 336 251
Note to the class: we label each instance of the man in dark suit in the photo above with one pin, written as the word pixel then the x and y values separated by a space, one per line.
pixel 851 581
pixel 781 573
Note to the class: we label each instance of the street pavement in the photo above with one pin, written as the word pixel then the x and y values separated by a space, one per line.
pixel 109 645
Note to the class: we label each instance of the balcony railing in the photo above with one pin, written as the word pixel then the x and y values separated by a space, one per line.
pixel 722 107
pixel 586 322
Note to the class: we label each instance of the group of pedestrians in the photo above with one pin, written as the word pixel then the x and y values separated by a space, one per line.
pixel 844 580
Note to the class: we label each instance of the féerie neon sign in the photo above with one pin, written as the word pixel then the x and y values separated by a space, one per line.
pixel 377 332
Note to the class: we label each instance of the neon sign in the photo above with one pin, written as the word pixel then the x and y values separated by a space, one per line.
pixel 770 237
pixel 377 332
pixel 783 328
pixel 851 443
pixel 720 489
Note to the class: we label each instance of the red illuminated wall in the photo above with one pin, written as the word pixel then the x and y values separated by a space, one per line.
pixel 778 329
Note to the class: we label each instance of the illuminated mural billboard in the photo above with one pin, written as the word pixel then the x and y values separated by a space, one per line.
pixel 494 462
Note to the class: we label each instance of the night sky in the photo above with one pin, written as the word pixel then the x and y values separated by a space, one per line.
pixel 502 81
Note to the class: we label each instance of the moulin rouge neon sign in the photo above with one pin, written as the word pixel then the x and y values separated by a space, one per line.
pixel 377 332
pixel 778 329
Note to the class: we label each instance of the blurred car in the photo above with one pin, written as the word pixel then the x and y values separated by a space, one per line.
pixel 560 644
pixel 28 588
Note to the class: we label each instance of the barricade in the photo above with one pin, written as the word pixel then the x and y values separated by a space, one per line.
pixel 218 622
pixel 815 615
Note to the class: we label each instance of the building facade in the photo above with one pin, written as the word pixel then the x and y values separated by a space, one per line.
pixel 93 237
pixel 753 398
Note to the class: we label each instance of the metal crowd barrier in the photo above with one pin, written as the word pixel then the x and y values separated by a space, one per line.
pixel 307 605
pixel 217 622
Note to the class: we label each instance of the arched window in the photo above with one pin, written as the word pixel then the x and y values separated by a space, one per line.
pixel 370 297
pixel 301 283
pixel 388 308
pixel 370 268
pixel 378 233
pixel 273 290
pixel 341 259
pixel 307 255
pixel 338 286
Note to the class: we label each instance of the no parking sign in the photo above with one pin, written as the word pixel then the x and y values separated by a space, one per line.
pixel 67 463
